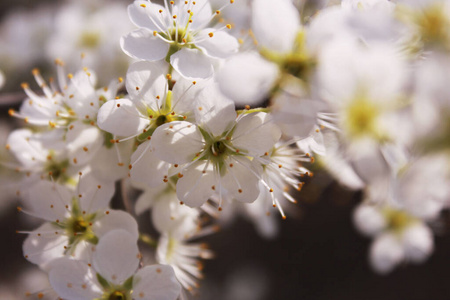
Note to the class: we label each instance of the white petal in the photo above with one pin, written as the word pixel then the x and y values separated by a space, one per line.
pixel 116 219
pixel 146 15
pixel 368 219
pixel 202 13
pixel 184 93
pixel 242 180
pixel 105 165
pixel 295 112
pixel 418 242
pixel 192 63
pixel 43 245
pixel 156 282
pixel 146 80
pixel 142 44
pixel 116 256
pixel 196 186
pixel 385 253
pixel 247 78
pixel 149 169
pixel 48 200
pixel 168 215
pixel 177 142
pixel 214 112
pixel 96 194
pixel 275 24
pixel 73 279
pixel 220 45
pixel 28 151
pixel 83 141
pixel 121 117
pixel 255 133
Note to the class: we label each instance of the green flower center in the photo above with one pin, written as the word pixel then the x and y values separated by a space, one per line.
pixel 218 148
pixel 361 118
pixel 89 39
pixel 398 220
pixel 57 169
pixel 117 295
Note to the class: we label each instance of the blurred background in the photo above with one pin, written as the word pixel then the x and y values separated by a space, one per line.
pixel 317 254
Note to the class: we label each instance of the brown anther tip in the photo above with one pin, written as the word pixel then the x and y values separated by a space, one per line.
pixel 283 217
pixel 85 149
pixel 220 208
pixel 120 164
pixel 271 190
pixel 180 175
pixel 240 191
pixel 211 34
pixel 24 85
pixel 118 104
pixel 247 107
pixel 107 212
pixel 181 202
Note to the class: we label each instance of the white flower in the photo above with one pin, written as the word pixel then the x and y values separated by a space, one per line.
pixel 75 220
pixel 69 110
pixel 175 250
pixel 216 150
pixel 178 32
pixel 398 236
pixel 113 273
pixel 150 105
pixel 39 156
pixel 92 31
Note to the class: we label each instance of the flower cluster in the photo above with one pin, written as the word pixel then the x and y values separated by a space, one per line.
pixel 222 112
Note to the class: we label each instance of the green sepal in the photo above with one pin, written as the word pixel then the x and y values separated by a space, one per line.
pixel 108 138
pixel 128 284
pixel 103 282
pixel 144 136
pixel 93 240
